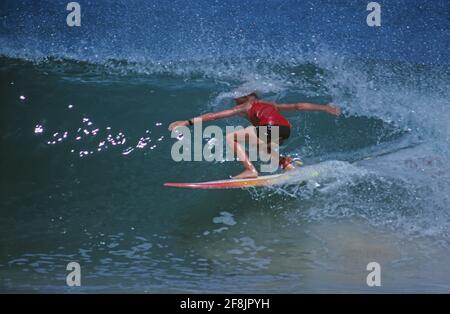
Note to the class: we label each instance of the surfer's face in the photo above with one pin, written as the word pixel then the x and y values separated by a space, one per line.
pixel 242 100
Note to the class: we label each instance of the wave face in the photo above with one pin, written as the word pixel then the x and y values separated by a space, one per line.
pixel 85 147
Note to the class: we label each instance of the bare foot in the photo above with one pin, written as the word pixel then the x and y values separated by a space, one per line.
pixel 285 162
pixel 288 167
pixel 247 174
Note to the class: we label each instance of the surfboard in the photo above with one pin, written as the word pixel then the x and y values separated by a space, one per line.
pixel 275 179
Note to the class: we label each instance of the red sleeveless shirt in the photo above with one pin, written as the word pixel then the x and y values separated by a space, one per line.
pixel 263 113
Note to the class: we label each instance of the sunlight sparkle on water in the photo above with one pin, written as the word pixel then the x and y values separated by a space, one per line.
pixel 38 129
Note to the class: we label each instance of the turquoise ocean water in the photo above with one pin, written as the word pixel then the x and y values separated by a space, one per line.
pixel 85 147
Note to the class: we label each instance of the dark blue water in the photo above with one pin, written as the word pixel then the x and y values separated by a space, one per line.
pixel 416 31
pixel 85 147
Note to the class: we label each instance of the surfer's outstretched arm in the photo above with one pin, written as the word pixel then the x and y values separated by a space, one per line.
pixel 305 106
pixel 206 117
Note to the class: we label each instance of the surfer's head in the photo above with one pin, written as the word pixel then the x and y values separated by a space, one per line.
pixel 243 99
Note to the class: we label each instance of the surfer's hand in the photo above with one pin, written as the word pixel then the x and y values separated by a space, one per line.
pixel 176 124
pixel 333 109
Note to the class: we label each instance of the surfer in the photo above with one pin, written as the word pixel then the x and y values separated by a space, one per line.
pixel 259 113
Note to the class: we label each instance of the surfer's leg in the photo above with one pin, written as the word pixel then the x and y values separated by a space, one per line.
pixel 234 140
pixel 268 145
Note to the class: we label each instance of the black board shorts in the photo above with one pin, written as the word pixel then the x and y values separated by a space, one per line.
pixel 283 131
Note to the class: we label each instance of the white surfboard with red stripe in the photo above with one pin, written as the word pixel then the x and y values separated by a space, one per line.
pixel 275 179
